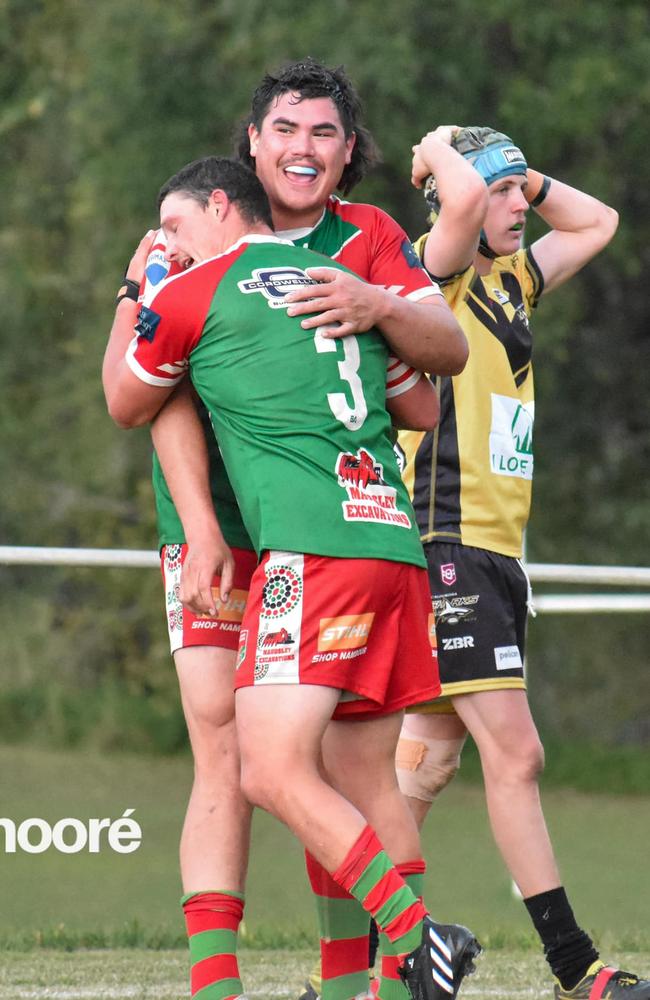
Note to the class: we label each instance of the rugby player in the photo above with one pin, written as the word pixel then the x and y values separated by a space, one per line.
pixel 305 138
pixel 480 465
pixel 338 619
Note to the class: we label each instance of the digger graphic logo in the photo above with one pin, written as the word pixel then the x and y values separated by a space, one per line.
pixel 511 437
pixel 369 497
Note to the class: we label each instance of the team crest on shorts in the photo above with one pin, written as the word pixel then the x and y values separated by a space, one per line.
pixel 241 652
pixel 369 496
pixel 448 574
pixel 281 592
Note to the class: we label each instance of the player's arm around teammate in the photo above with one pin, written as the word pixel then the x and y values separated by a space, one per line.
pixel 423 334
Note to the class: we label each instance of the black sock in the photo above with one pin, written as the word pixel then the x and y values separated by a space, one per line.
pixel 568 949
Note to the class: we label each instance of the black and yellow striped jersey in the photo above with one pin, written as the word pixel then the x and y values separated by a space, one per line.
pixel 470 479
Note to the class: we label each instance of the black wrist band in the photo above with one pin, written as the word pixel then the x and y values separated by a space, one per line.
pixel 129 289
pixel 541 194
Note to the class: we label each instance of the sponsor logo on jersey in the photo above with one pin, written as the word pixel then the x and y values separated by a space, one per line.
pixel 507 658
pixel 370 499
pixel 458 642
pixel 147 324
pixel 156 267
pixel 409 254
pixel 511 437
pixel 501 297
pixel 448 574
pixel 231 610
pixel 345 632
pixel 274 283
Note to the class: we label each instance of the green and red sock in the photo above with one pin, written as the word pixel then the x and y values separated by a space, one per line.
pixel 212 920
pixel 370 876
pixel 391 986
pixel 343 927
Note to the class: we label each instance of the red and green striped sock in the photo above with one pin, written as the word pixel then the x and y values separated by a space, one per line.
pixel 343 927
pixel 368 873
pixel 212 920
pixel 391 986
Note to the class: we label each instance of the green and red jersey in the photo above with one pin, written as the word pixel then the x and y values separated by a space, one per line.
pixel 300 419
pixel 370 243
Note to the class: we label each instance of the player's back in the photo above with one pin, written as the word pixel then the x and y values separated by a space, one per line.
pixel 300 418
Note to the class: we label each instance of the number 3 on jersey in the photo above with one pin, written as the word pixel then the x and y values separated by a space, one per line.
pixel 354 416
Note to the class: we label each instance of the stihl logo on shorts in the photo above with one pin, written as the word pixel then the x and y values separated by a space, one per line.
pixel 232 610
pixel 345 632
pixel 458 642
pixel 448 574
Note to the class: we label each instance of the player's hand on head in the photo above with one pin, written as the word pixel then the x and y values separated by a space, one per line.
pixel 203 562
pixel 339 301
pixel 422 165
pixel 135 270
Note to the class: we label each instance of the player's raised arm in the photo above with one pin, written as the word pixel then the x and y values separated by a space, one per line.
pixel 458 197
pixel 581 226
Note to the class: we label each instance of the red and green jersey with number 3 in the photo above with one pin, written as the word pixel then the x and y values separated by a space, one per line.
pixel 300 419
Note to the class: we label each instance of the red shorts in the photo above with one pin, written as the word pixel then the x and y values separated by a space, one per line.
pixel 362 625
pixel 187 629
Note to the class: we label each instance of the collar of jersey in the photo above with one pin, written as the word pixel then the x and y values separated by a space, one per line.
pixel 248 238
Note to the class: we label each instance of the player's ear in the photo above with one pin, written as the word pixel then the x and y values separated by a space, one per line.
pixel 349 146
pixel 253 138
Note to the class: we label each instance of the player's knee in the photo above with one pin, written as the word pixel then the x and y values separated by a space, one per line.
pixel 425 766
pixel 520 764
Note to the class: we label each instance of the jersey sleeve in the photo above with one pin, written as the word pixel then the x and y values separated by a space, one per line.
pixel 400 377
pixel 530 278
pixel 168 327
pixel 394 262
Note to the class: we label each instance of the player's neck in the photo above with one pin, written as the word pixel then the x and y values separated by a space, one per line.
pixel 285 219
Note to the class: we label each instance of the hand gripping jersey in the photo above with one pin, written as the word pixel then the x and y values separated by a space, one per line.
pixel 470 479
pixel 371 244
pixel 300 419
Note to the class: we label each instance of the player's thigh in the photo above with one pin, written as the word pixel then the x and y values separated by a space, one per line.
pixel 206 681
pixel 500 722
pixel 355 748
pixel 434 725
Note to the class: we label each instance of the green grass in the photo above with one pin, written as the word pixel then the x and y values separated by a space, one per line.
pixel 113 901
pixel 267 975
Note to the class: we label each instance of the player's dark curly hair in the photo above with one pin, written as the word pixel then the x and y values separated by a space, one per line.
pixel 201 177
pixel 310 79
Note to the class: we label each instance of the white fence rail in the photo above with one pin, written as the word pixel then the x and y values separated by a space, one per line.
pixel 618 576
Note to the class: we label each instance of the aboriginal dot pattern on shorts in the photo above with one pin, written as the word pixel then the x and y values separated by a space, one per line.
pixel 281 593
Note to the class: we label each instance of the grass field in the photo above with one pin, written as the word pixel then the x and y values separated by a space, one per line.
pixel 269 975
pixel 112 905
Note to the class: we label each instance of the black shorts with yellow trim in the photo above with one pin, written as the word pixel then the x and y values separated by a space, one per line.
pixel 480 603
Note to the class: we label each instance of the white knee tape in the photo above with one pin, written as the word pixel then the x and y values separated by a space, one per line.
pixel 425 766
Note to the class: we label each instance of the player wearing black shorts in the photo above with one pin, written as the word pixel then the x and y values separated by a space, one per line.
pixel 470 481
